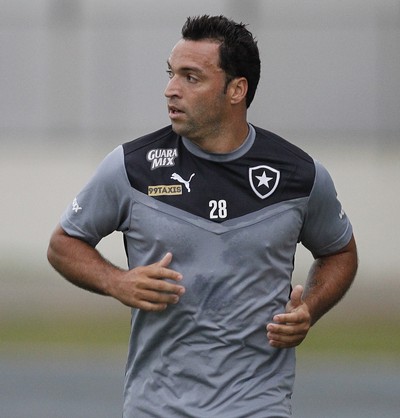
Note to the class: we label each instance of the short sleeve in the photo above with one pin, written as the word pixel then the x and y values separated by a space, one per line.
pixel 327 228
pixel 103 205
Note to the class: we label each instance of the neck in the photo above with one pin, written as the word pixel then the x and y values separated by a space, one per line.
pixel 225 141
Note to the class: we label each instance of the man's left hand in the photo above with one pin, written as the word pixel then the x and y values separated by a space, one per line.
pixel 290 328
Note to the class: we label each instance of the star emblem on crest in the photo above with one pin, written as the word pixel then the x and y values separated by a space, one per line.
pixel 264 180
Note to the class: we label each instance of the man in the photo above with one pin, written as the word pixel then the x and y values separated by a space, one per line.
pixel 211 209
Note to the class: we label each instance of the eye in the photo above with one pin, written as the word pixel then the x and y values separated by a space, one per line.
pixel 191 79
pixel 170 74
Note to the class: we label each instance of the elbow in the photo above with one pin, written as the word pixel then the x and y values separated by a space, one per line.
pixel 51 258
pixel 55 246
pixel 353 255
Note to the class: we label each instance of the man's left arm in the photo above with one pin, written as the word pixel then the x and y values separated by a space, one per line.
pixel 329 279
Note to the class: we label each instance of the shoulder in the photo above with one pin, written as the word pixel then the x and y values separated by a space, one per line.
pixel 149 140
pixel 151 151
pixel 297 168
pixel 323 184
pixel 280 146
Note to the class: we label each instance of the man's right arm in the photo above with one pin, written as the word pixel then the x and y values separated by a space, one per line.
pixel 142 287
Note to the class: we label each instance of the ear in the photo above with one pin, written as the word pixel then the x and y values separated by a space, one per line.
pixel 238 90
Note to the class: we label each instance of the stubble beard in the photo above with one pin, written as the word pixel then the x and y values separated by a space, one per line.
pixel 200 132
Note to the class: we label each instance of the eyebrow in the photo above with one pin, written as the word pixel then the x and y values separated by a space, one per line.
pixel 187 69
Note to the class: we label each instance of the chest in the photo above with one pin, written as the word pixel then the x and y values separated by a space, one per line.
pixel 214 190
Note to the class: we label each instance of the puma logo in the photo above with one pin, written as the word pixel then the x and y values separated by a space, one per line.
pixel 177 177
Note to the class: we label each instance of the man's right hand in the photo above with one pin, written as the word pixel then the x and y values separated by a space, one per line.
pixel 145 287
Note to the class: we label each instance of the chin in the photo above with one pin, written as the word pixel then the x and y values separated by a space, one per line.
pixel 179 129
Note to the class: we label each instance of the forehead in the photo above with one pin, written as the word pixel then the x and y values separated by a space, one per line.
pixel 203 54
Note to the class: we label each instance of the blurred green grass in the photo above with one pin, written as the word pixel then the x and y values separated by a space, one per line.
pixel 327 337
pixel 369 337
pixel 66 330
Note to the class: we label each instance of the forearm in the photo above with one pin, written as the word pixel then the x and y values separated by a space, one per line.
pixel 144 287
pixel 329 279
pixel 80 263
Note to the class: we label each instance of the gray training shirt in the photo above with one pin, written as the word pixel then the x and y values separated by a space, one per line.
pixel 232 222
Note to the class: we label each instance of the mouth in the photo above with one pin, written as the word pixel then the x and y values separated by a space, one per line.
pixel 174 112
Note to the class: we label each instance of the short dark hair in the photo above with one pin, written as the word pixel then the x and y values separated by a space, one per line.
pixel 239 55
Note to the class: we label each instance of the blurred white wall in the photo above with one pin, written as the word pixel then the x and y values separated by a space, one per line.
pixel 95 67
pixel 78 77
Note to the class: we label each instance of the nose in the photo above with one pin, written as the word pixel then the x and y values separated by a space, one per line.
pixel 172 88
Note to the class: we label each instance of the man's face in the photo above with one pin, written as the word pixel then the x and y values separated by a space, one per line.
pixel 197 103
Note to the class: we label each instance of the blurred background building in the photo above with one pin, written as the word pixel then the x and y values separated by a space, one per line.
pixel 79 77
pixel 95 68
